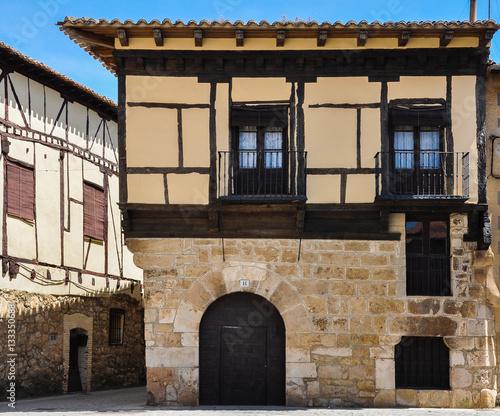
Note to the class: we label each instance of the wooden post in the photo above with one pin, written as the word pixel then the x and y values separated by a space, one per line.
pixel 473 10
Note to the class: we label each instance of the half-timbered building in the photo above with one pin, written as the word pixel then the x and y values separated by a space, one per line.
pixel 71 311
pixel 308 203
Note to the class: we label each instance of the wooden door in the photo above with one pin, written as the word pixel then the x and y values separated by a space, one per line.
pixel 242 352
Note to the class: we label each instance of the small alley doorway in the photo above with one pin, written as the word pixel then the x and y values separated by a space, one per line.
pixel 78 353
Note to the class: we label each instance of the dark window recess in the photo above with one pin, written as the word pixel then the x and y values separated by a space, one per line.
pixel 427 257
pixel 20 191
pixel 418 165
pixel 422 363
pixel 260 164
pixel 116 326
pixel 94 207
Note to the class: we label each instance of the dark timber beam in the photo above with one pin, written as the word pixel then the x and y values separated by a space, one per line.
pixel 486 38
pixel 446 38
pixel 198 37
pixel 122 36
pixel 158 36
pixel 240 36
pixel 280 38
pixel 404 38
pixel 322 36
pixel 362 37
pixel 91 38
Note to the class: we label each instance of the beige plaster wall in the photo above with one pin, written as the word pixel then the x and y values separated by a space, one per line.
pixel 195 137
pixel 260 89
pixel 341 90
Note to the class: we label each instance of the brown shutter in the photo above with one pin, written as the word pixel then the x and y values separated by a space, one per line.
pixel 20 191
pixel 93 212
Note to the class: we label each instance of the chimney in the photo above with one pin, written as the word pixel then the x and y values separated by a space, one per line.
pixel 473 10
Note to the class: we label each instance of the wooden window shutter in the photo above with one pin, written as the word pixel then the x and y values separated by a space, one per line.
pixel 94 207
pixel 20 191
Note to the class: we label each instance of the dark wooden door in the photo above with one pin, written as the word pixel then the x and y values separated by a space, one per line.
pixel 242 352
pixel 74 381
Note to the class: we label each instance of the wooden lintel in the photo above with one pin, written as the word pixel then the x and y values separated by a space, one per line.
pixel 400 62
pixel 122 36
pixel 446 38
pixel 240 36
pixel 198 63
pixel 198 37
pixel 486 37
pixel 299 64
pixel 240 64
pixel 319 63
pixel 219 63
pixel 91 38
pixel 322 36
pixel 260 63
pixel 158 36
pixel 404 37
pixel 278 63
pixel 213 221
pixel 280 38
pixel 384 222
pixel 362 37
pixel 179 63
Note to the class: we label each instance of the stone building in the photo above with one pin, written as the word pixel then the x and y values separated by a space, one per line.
pixel 308 203
pixel 70 296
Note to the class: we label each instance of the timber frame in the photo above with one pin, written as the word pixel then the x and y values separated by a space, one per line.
pixel 291 219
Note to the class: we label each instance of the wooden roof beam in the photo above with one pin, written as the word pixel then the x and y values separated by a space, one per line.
pixel 486 37
pixel 446 38
pixel 90 38
pixel 198 37
pixel 362 37
pixel 240 36
pixel 404 38
pixel 280 38
pixel 322 36
pixel 122 37
pixel 158 36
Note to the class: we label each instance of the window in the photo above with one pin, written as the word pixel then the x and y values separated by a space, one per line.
pixel 417 147
pixel 94 207
pixel 427 257
pixel 422 363
pixel 116 325
pixel 20 191
pixel 259 146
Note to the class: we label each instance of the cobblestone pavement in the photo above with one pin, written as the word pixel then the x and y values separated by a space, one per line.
pixel 132 402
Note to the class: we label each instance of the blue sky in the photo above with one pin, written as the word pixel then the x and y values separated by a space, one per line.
pixel 29 25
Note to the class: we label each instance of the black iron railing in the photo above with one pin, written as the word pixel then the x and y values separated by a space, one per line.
pixel 267 174
pixel 422 174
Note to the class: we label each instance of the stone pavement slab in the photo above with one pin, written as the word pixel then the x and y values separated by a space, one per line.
pixel 132 401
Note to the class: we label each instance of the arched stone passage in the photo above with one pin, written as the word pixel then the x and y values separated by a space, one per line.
pixel 242 352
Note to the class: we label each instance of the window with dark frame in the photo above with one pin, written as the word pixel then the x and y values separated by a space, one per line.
pixel 20 191
pixel 427 256
pixel 116 326
pixel 417 150
pixel 260 147
pixel 94 208
pixel 422 363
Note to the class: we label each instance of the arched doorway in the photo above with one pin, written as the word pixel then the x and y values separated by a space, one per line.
pixel 242 352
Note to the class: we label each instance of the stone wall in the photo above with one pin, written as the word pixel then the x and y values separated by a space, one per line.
pixel 344 307
pixel 42 342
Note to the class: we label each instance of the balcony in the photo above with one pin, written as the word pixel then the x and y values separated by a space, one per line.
pixel 410 174
pixel 270 175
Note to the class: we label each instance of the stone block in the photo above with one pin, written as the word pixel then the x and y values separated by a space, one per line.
pixel 387 246
pixel 385 398
pixel 379 306
pixel 195 272
pixel 315 305
pixel 384 274
pixel 437 326
pixel 301 370
pixel 334 372
pixel 481 358
pixel 460 378
pixel 459 343
pixel 268 254
pixel 320 324
pixel 215 284
pixel 187 319
pixel 424 307
pixel 434 398
pixel 372 289
pixel 199 296
pixel 311 287
pixel 357 273
pixel 456 358
pixel 286 271
pixel 285 296
pixel 153 262
pixel 150 315
pixel 297 355
pixel 172 357
pixel 313 389
pixel 465 309
pixel 374 260
pixel 480 328
pixel 190 339
pixel 297 320
pixel 340 325
pixel 329 272
pixel 332 352
pixel 359 306
pixel 362 372
pixel 296 392
pixel 364 246
pixel 344 288
pixel 329 245
pixel 461 399
pixel 154 245
pixel 339 259
pixel 406 397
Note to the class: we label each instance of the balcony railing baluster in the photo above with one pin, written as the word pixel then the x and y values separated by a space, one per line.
pixel 425 174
